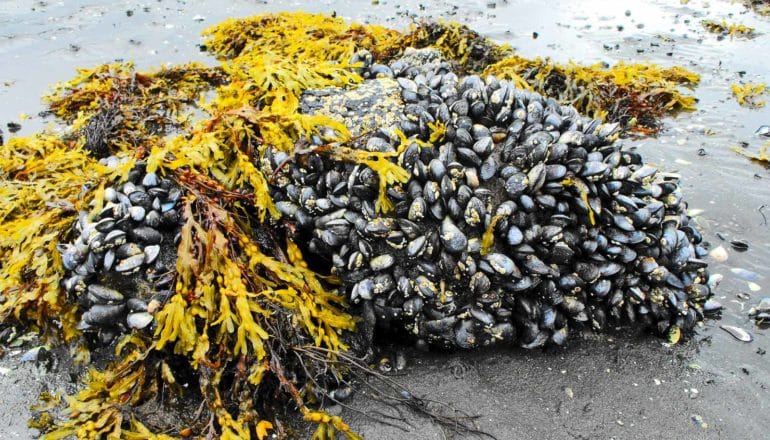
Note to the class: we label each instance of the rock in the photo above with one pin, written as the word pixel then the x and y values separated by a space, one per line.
pixel 368 106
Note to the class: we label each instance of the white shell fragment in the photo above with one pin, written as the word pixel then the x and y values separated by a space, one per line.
pixel 737 332
pixel 139 320
pixel 719 254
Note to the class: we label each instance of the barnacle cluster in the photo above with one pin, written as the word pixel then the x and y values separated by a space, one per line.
pixel 253 314
pixel 520 221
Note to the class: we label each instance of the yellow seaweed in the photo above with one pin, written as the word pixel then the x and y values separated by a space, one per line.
pixel 748 94
pixel 731 29
pixel 762 156
pixel 624 92
pixel 44 182
pixel 582 190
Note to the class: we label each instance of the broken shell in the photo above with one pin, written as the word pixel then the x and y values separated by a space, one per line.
pixel 737 332
pixel 139 320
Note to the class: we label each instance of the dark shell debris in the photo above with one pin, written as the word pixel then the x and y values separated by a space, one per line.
pixel 580 232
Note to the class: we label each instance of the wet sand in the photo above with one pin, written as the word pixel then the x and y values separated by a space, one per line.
pixel 621 386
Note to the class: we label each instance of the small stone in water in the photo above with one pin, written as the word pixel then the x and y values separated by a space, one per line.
pixel 714 280
pixel 719 254
pixel 754 287
pixel 698 420
pixel 712 306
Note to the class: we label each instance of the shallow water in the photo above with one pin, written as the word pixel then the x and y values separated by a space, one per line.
pixel 620 387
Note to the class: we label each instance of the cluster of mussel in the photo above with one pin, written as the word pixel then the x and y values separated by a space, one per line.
pixel 119 267
pixel 526 220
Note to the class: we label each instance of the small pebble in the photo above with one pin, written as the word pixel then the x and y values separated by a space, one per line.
pixel 712 306
pixel 719 254
pixel 714 280
pixel 698 421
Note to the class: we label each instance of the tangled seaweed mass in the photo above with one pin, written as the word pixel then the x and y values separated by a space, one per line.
pixel 197 223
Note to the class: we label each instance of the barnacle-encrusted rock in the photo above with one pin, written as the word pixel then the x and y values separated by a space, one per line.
pixel 520 221
pixel 427 57
pixel 367 107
